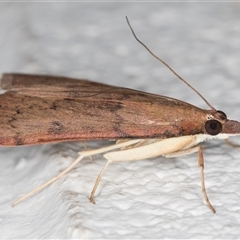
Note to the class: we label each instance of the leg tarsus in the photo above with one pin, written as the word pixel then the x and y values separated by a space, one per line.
pixel 98 181
pixel 201 166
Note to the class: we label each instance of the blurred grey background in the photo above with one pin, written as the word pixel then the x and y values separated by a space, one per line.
pixel 92 40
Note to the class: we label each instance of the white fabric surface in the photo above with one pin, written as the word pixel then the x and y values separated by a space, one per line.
pixel 157 198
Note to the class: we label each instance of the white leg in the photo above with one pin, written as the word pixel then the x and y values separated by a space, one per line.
pixel 69 168
pixel 44 185
pixel 156 148
pixel 97 182
pixel 201 165
pixel 111 159
pixel 182 152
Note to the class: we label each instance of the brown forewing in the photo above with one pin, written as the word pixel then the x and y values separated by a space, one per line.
pixel 41 109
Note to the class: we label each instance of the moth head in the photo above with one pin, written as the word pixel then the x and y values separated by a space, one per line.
pixel 217 123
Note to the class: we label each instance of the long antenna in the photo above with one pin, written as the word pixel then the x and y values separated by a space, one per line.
pixel 159 59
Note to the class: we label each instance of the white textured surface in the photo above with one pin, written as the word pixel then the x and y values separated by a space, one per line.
pixel 158 198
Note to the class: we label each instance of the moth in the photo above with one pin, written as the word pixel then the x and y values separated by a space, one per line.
pixel 37 109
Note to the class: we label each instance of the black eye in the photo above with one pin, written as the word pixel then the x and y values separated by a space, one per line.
pixel 213 127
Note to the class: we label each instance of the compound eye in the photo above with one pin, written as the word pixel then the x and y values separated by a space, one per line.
pixel 213 127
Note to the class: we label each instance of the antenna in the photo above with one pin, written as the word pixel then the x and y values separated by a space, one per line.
pixel 159 59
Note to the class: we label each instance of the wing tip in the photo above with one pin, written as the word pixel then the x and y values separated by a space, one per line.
pixel 6 81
